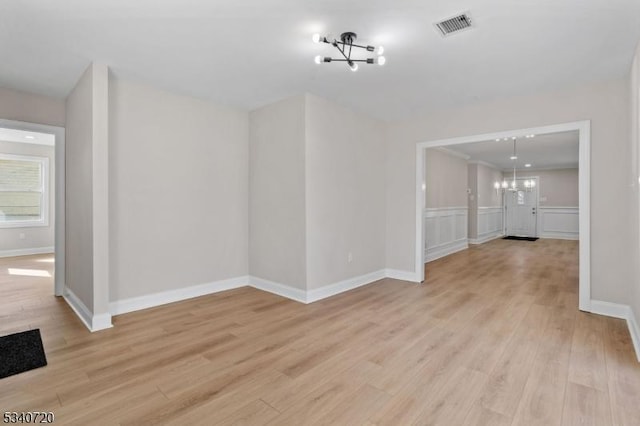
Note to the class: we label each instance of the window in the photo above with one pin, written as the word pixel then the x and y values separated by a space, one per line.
pixel 24 197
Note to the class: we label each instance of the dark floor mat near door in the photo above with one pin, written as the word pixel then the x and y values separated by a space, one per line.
pixel 511 237
pixel 21 352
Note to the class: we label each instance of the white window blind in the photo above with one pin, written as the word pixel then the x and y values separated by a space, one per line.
pixel 22 190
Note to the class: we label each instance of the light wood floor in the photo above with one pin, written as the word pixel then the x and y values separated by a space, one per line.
pixel 494 337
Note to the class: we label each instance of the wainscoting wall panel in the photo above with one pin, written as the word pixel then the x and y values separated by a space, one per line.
pixel 558 222
pixel 490 225
pixel 446 231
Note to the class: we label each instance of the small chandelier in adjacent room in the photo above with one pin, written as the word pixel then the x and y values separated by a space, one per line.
pixel 529 184
pixel 345 46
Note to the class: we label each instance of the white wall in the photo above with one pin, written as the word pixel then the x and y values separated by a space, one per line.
pixel 277 218
pixel 557 187
pixel 634 176
pixel 79 206
pixel 35 237
pixel 486 193
pixel 445 179
pixel 178 213
pixel 472 184
pixel 445 215
pixel 345 187
pixel 87 197
pixel 605 104
pixel 22 106
pixel 485 213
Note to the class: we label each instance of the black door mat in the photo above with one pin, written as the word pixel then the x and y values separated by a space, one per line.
pixel 511 237
pixel 21 352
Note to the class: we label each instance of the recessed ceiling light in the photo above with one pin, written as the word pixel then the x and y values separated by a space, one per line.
pixel 498 140
pixel 527 165
pixel 29 137
pixel 514 157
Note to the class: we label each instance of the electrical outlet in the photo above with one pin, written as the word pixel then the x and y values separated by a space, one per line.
pixel 350 257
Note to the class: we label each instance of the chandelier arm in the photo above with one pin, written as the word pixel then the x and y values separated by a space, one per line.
pixel 341 51
pixel 354 45
pixel 348 60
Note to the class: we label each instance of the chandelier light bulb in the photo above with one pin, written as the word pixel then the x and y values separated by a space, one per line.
pixel 496 185
pixel 353 66
pixel 504 184
pixel 316 38
pixel 381 60
pixel 380 50
pixel 318 59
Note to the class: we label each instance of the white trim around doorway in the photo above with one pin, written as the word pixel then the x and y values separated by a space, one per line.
pixel 584 130
pixel 59 134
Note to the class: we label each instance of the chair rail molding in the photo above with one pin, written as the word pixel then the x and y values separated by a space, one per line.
pixel 559 222
pixel 489 224
pixel 445 231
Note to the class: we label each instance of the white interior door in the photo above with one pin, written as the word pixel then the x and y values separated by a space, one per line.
pixel 521 210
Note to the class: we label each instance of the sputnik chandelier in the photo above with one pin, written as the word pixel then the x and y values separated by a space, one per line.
pixel 345 46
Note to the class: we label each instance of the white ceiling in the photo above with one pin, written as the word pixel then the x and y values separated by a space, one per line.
pixel 252 52
pixel 549 151
pixel 21 136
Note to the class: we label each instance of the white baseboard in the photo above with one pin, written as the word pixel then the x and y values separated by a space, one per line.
pixel 397 274
pixel 609 309
pixel 634 329
pixel 280 289
pixel 156 299
pixel 438 252
pixel 78 307
pixel 616 310
pixel 486 238
pixel 345 285
pixel 26 252
pixel 310 296
pixel 92 322
pixel 101 322
pixel 559 236
pixel 152 300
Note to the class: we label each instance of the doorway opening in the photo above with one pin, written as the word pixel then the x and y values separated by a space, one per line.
pixel 524 219
pixel 32 196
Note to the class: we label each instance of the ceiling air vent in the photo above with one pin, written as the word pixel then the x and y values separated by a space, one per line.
pixel 454 25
